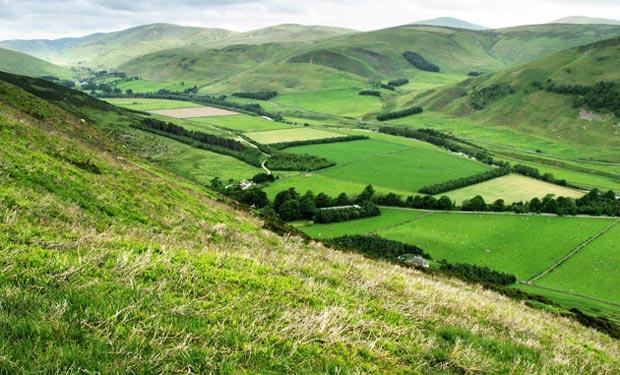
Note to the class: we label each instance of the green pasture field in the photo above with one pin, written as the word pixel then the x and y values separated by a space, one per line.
pixel 388 217
pixel 150 104
pixel 511 188
pixel 503 135
pixel 317 183
pixel 341 102
pixel 202 166
pixel 345 152
pixel 242 123
pixel 409 169
pixel 593 271
pixel 289 135
pixel 523 245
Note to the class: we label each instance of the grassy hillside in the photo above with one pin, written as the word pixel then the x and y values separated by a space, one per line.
pixel 111 264
pixel 516 98
pixel 450 22
pixel 20 63
pixel 581 20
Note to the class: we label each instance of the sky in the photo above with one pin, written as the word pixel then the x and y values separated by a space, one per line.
pixel 50 19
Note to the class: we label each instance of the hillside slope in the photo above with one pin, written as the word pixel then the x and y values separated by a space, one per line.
pixel 581 20
pixel 20 63
pixel 450 22
pixel 518 98
pixel 110 264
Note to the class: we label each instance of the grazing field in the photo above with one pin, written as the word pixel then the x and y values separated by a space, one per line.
pixel 345 152
pixel 511 188
pixel 150 104
pixel 202 166
pixel 289 135
pixel 341 102
pixel 593 271
pixel 194 112
pixel 409 169
pixel 389 217
pixel 243 123
pixel 151 86
pixel 521 245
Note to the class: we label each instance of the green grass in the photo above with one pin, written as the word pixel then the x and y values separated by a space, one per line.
pixel 389 217
pixel 345 152
pixel 341 102
pixel 20 63
pixel 593 271
pixel 288 135
pixel 511 188
pixel 521 245
pixel 410 169
pixel 111 265
pixel 242 123
pixel 150 104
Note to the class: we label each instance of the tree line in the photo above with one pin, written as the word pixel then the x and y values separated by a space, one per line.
pixel 603 96
pixel 398 114
pixel 443 187
pixel 445 141
pixel 348 138
pixel 398 82
pixel 420 62
pixel 376 247
pixel 259 95
pixel 370 93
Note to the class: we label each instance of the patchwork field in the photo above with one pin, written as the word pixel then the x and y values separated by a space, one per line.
pixel 289 135
pixel 511 188
pixel 593 271
pixel 150 104
pixel 242 123
pixel 389 217
pixel 521 245
pixel 193 112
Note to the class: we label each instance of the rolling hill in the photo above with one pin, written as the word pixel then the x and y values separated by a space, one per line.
pixel 23 64
pixel 450 22
pixel 113 264
pixel 523 98
pixel 109 50
pixel 581 20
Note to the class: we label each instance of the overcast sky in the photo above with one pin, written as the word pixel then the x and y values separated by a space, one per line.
pixel 59 18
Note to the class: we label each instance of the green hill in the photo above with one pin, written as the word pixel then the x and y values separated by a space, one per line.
pixel 450 22
pixel 521 98
pixel 20 63
pixel 581 20
pixel 368 55
pixel 111 264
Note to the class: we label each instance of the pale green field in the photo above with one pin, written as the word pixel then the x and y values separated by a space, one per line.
pixel 289 135
pixel 341 102
pixel 593 271
pixel 150 104
pixel 242 123
pixel 523 245
pixel 152 86
pixel 511 188
pixel 388 217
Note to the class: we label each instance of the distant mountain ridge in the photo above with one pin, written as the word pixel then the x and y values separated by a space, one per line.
pixel 450 22
pixel 581 20
pixel 109 50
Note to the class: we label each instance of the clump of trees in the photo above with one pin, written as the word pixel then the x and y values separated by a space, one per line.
pixel 321 208
pixel 285 161
pixel 260 95
pixel 370 93
pixel 388 87
pixel 263 178
pixel 420 62
pixel 603 96
pixel 377 247
pixel 475 273
pixel 398 82
pixel 399 114
pixel 479 98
